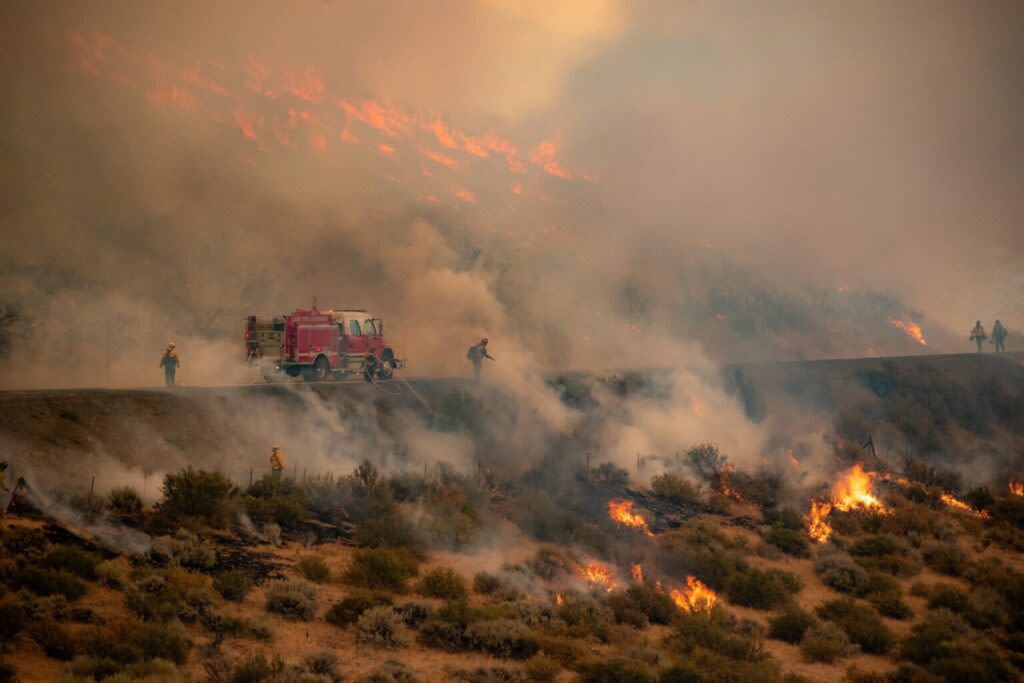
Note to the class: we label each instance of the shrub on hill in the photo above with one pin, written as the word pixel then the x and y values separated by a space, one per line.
pixel 199 494
pixel 351 607
pixel 381 627
pixel 825 643
pixel 443 583
pixel 860 623
pixel 381 568
pixel 294 599
pixel 313 568
pixel 233 585
pixel 790 626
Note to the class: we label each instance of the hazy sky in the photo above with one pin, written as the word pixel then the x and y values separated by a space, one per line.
pixel 565 175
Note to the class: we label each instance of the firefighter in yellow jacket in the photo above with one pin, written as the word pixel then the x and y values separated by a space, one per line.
pixel 978 335
pixel 276 462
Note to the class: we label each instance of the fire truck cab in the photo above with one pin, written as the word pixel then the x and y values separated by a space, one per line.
pixel 318 345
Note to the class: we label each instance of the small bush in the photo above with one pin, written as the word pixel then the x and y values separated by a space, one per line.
pixel 351 607
pixel 313 568
pixel 443 635
pixel 53 638
pixel 542 669
pixel 281 501
pixel 174 593
pixel 644 600
pixel 486 584
pixel 884 553
pixel 442 583
pixel 72 559
pixel 193 493
pixel 790 626
pixel 862 624
pixel 676 489
pixel 761 588
pixel 188 550
pixel 294 599
pixel 790 541
pixel 124 501
pixel 414 613
pixel 233 585
pixel 614 670
pixel 586 616
pixel 381 568
pixel 825 643
pixel 50 582
pixel 550 563
pixel 114 573
pixel 24 542
pixel 323 664
pixel 838 571
pixel 713 633
pixel 390 672
pixel 945 557
pixel 503 638
pixel 382 627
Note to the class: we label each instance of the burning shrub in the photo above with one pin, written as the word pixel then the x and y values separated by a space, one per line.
pixel 676 489
pixel 790 541
pixel 945 557
pixel 790 626
pixel 381 568
pixel 382 627
pixel 860 623
pixel 281 501
pixel 53 638
pixel 761 588
pixel 45 582
pixel 197 494
pixel 706 461
pixel 313 568
pixel 73 560
pixel 614 670
pixel 443 583
pixel 124 501
pixel 294 599
pixel 351 607
pixel 837 570
pixel 503 638
pixel 645 599
pixel 233 585
pixel 825 643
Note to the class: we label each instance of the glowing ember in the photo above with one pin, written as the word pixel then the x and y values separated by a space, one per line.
pixel 817 528
pixel 854 491
pixel 622 512
pixel 697 407
pixel 953 502
pixel 559 599
pixel 1017 488
pixel 697 598
pixel 599 575
pixel 912 329
pixel 638 573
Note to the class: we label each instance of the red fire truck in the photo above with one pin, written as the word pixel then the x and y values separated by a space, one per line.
pixel 318 345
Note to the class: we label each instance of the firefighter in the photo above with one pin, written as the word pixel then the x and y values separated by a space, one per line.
pixel 276 462
pixel 476 355
pixel 170 363
pixel 370 367
pixel 999 336
pixel 978 335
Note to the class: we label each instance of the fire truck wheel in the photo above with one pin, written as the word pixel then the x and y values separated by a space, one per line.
pixel 386 370
pixel 321 368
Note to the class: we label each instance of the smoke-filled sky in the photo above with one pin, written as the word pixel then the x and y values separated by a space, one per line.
pixel 589 183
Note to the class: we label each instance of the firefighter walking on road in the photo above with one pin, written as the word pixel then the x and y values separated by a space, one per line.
pixel 476 355
pixel 999 336
pixel 170 362
pixel 276 462
pixel 978 335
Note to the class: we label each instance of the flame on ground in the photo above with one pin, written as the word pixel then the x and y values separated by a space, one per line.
pixel 622 512
pixel 559 599
pixel 958 504
pixel 912 329
pixel 1017 488
pixel 599 575
pixel 697 598
pixel 638 573
pixel 854 491
pixel 817 528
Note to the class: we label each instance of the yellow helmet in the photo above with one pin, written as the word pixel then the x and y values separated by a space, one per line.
pixel 275 447
pixel 170 345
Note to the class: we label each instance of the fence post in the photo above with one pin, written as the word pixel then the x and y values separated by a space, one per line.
pixel 92 486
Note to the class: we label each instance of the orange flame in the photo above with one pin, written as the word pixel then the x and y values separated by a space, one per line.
pixel 386 150
pixel 599 575
pixel 464 194
pixel 622 512
pixel 559 599
pixel 958 504
pixel 855 491
pixel 912 329
pixel 1017 488
pixel 638 573
pixel 544 155
pixel 817 528
pixel 698 598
